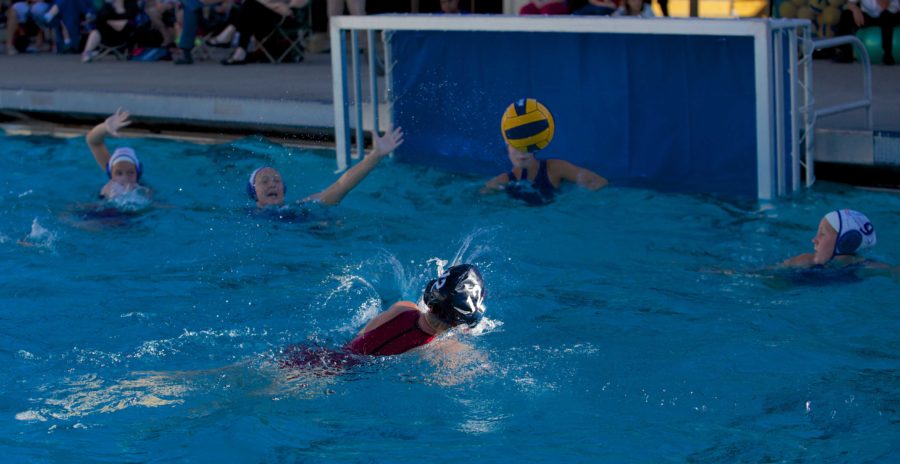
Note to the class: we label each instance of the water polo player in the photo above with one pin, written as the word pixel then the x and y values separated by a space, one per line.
pixel 453 299
pixel 266 187
pixel 841 234
pixel 123 168
pixel 527 127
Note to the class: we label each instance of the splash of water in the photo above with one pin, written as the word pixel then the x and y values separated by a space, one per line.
pixel 130 199
pixel 39 236
pixel 89 394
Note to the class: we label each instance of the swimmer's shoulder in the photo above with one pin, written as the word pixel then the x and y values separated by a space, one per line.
pixel 392 312
pixel 804 260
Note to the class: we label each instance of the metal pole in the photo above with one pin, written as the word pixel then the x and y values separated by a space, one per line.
pixel 388 81
pixel 341 102
pixel 795 117
pixel 358 100
pixel 778 44
pixel 373 81
pixel 810 115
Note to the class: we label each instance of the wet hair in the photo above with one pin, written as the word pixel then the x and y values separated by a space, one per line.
pixel 457 296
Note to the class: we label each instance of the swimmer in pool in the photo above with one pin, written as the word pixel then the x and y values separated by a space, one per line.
pixel 835 259
pixel 266 188
pixel 530 179
pixel 841 234
pixel 541 178
pixel 453 299
pixel 122 167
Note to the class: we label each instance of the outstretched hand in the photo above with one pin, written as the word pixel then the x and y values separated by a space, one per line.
pixel 117 121
pixel 385 144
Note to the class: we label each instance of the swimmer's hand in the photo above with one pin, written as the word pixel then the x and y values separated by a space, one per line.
pixel 381 146
pixel 117 121
pixel 455 362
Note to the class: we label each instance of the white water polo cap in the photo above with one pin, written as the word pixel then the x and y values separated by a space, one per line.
pixel 854 231
pixel 123 154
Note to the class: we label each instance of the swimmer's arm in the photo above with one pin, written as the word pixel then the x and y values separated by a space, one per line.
pixel 381 147
pixel 456 362
pixel 96 138
pixel 804 260
pixel 580 176
pixel 495 185
pixel 385 316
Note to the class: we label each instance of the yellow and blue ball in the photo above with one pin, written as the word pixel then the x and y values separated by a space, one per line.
pixel 527 125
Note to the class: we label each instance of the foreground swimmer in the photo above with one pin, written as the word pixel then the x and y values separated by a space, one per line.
pixel 840 235
pixel 527 127
pixel 123 168
pixel 267 189
pixel 453 299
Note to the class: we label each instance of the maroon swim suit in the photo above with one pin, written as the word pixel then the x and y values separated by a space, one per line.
pixel 398 335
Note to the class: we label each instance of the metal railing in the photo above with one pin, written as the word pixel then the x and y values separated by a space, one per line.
pixel 812 114
pixel 866 101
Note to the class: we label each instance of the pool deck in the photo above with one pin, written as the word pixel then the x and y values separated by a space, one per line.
pixel 289 98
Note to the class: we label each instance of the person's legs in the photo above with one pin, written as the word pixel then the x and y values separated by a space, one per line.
pixel 70 23
pixel 888 21
pixel 253 19
pixel 36 25
pixel 357 7
pixel 846 26
pixel 16 14
pixel 664 6
pixel 47 17
pixel 93 41
pixel 189 25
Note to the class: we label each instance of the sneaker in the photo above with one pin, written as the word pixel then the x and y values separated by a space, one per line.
pixel 185 58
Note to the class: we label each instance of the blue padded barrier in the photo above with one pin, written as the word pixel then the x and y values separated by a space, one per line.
pixel 667 111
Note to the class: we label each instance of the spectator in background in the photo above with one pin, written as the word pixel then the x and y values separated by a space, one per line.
pixel 161 16
pixel 116 25
pixel 258 18
pixel 597 8
pixel 21 25
pixel 320 42
pixel 545 7
pixel 635 8
pixel 450 7
pixel 213 16
pixel 58 16
pixel 865 13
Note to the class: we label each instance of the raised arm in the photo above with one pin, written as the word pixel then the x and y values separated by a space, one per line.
pixel 96 138
pixel 580 176
pixel 381 146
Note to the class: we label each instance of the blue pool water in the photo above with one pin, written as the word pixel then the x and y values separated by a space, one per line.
pixel 625 325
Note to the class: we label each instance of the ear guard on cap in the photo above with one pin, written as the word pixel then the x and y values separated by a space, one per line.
pixel 854 231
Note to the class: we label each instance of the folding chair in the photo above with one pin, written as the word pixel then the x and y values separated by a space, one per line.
pixel 287 39
pixel 119 52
